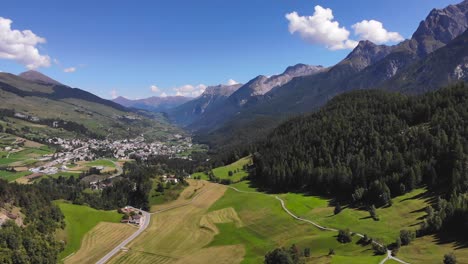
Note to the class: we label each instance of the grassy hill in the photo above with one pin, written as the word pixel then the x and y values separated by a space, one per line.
pixel 30 108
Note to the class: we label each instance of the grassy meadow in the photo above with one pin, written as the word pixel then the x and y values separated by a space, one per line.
pixel 79 221
pixel 223 172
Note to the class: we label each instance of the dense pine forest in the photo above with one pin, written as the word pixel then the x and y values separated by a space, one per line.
pixel 34 242
pixel 365 147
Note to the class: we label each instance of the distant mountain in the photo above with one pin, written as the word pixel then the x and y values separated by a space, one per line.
pixel 212 98
pixel 36 76
pixel 367 66
pixel 251 94
pixel 154 103
pixel 49 109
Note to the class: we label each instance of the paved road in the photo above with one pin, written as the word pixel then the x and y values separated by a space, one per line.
pixel 389 253
pixel 143 227
pixel 146 220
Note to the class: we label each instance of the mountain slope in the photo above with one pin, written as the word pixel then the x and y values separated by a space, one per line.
pixel 38 110
pixel 445 65
pixel 211 99
pixel 36 76
pixel 154 103
pixel 251 94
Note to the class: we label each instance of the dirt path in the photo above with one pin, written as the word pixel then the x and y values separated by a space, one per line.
pixel 389 253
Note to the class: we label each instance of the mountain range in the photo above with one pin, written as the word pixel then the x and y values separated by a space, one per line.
pixel 434 56
pixel 154 103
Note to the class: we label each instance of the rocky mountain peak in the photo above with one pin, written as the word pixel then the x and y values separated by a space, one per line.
pixel 441 26
pixel 366 53
pixel 302 69
pixel 222 90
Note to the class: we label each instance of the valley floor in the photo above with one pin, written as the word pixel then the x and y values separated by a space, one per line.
pixel 221 225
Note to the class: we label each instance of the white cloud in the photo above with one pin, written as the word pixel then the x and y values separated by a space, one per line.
pixel 190 90
pixel 21 46
pixel 232 82
pixel 114 94
pixel 321 29
pixel 154 88
pixel 69 70
pixel 163 94
pixel 374 31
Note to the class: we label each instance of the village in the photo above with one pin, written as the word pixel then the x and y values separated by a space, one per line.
pixel 75 150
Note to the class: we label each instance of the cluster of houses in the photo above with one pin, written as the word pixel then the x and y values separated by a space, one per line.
pixel 73 150
pixel 84 149
pixel 131 215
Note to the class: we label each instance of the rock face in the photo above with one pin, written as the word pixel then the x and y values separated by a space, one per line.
pixel 441 26
pixel 36 76
pixel 263 84
pixel 445 65
pixel 154 103
pixel 365 54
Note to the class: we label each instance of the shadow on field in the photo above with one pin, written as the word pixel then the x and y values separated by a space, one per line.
pixel 460 240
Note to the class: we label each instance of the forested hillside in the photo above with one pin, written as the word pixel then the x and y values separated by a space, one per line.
pixel 367 146
pixel 34 242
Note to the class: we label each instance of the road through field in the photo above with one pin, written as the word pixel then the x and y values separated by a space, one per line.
pixel 143 226
pixel 147 217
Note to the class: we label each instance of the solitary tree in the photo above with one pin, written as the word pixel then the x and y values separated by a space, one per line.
pixel 337 208
pixel 344 236
pixel 278 256
pixel 450 259
pixel 373 213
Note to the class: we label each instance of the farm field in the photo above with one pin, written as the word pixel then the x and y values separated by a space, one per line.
pixel 79 221
pixel 223 172
pixel 183 197
pixel 176 234
pixel 99 241
pixel 240 228
pixel 12 176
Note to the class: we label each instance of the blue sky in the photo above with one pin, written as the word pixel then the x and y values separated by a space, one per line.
pixel 123 48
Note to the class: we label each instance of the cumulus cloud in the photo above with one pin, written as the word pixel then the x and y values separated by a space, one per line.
pixel 163 94
pixel 320 28
pixel 114 94
pixel 190 90
pixel 232 82
pixel 21 46
pixel 69 70
pixel 374 31
pixel 154 88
